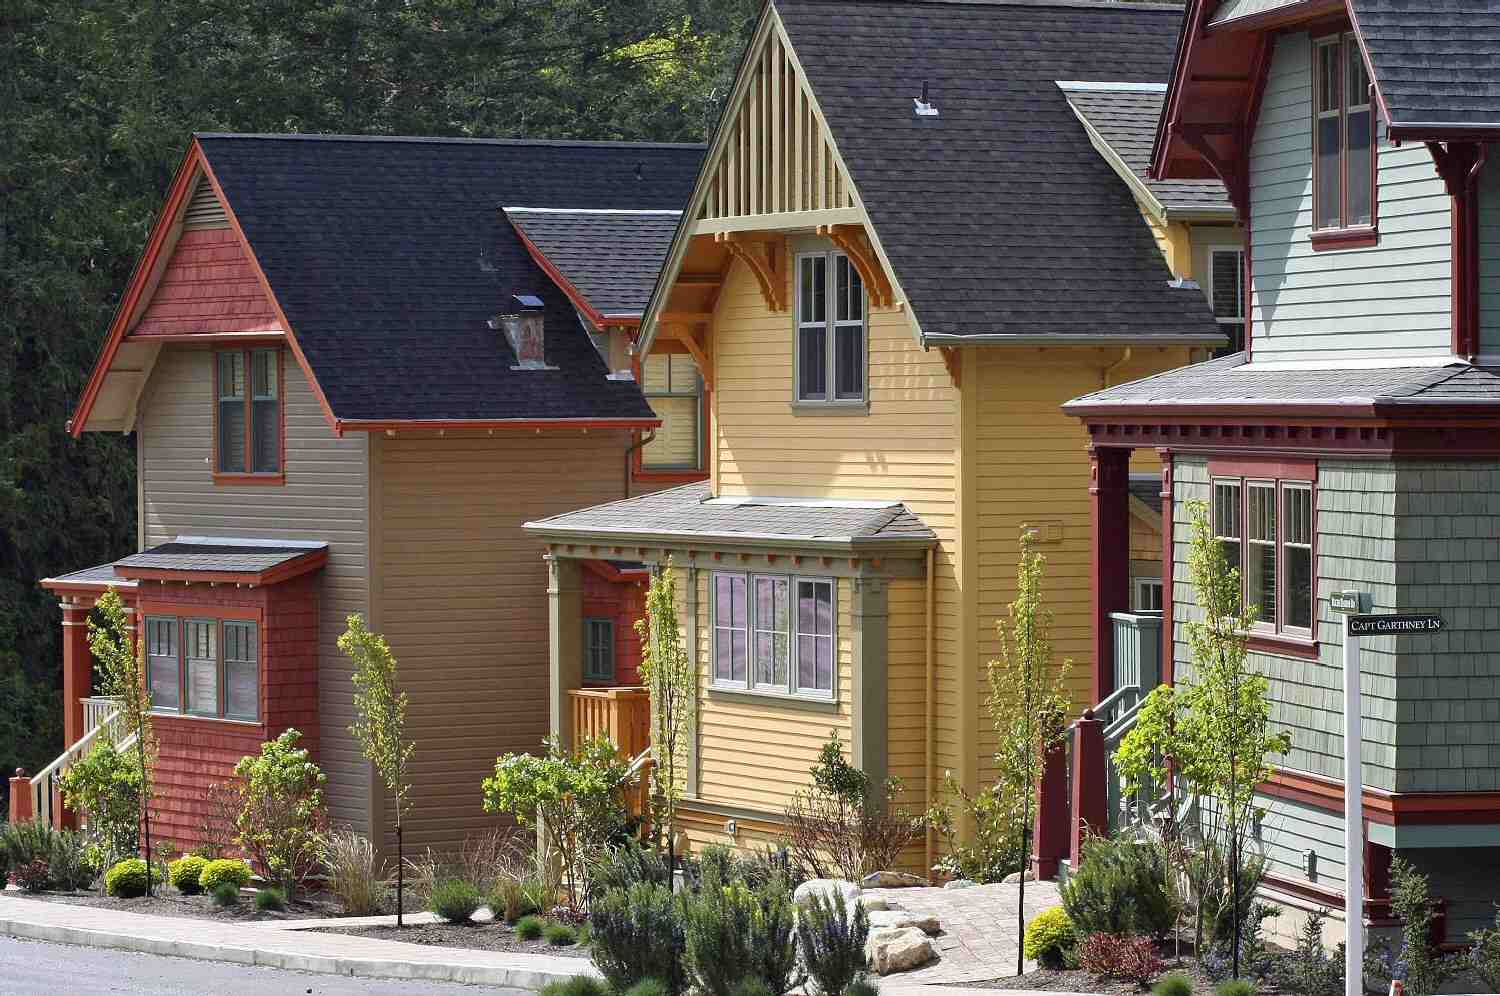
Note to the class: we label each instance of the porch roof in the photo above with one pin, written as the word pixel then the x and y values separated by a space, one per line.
pixel 691 513
pixel 213 558
pixel 97 578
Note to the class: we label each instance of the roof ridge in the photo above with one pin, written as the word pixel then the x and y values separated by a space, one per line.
pixel 444 140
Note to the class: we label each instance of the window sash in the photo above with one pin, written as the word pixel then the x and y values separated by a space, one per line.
pixel 832 341
pixel 1267 529
pixel 794 652
pixel 163 666
pixel 1149 595
pixel 241 671
pixel 207 668
pixel 771 643
pixel 247 385
pixel 599 649
pixel 730 627
pixel 1344 137
pixel 674 389
pixel 816 653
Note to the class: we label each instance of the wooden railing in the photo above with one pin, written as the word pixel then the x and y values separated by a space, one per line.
pixel 97 710
pixel 621 714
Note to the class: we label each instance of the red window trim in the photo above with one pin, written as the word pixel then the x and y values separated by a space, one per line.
pixel 239 479
pixel 1286 470
pixel 1278 472
pixel 1344 236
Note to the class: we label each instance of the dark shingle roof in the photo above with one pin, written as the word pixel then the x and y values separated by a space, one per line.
pixel 1435 61
pixel 1231 381
pixel 611 257
pixel 389 255
pixel 689 512
pixel 1124 117
pixel 184 554
pixel 101 575
pixel 998 216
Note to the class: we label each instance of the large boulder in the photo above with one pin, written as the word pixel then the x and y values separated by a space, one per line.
pixel 899 950
pixel 893 880
pixel 1014 877
pixel 901 919
pixel 828 888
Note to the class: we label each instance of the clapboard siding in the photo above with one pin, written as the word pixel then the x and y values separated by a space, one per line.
pixel 1392 299
pixel 325 498
pixel 462 599
pixel 1489 262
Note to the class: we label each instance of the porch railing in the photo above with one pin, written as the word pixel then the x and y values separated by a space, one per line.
pixel 621 714
pixel 1138 638
pixel 97 710
pixel 101 720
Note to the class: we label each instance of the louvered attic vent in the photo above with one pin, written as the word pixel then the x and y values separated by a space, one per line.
pixel 203 209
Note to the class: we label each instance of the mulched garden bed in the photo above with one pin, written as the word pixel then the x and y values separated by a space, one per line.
pixel 1079 981
pixel 172 903
pixel 478 936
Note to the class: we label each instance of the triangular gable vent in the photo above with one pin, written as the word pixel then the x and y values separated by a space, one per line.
pixel 204 209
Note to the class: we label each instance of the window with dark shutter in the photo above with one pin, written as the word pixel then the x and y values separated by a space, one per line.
pixel 1227 295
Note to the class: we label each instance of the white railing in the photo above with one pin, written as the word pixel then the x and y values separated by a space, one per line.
pixel 97 709
pixel 101 718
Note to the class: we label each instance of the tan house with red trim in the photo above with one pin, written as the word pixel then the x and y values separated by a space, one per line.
pixel 352 368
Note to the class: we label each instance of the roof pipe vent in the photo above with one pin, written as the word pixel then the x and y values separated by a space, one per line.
pixel 924 104
pixel 525 329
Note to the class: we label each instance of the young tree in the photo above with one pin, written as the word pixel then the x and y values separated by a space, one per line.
pixel 122 671
pixel 667 671
pixel 380 726
pixel 1027 702
pixel 1213 730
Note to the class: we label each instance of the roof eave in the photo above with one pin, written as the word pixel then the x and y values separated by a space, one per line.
pixel 344 425
pixel 618 536
pixel 1072 339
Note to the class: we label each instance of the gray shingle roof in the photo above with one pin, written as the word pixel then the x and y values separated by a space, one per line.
pixel 229 558
pixel 611 257
pixel 102 575
pixel 958 200
pixel 688 513
pixel 1125 119
pixel 1436 61
pixel 1230 381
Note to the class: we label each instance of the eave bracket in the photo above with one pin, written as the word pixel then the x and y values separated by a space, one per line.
pixel 765 262
pixel 851 241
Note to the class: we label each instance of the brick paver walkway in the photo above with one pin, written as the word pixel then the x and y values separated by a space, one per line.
pixel 980 936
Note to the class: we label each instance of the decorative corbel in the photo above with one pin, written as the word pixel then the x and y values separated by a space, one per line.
pixel 850 239
pixel 766 264
pixel 697 350
pixel 1235 182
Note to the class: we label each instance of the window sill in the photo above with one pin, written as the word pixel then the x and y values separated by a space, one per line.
pixel 252 724
pixel 269 480
pixel 665 476
pixel 818 703
pixel 1283 645
pixel 830 408
pixel 1345 238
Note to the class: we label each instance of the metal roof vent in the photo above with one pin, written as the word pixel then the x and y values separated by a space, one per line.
pixel 925 108
pixel 525 329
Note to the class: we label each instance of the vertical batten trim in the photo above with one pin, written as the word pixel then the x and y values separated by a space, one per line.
pixel 691 641
pixel 869 700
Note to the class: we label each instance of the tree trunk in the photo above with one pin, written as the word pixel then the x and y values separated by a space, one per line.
pixel 140 744
pixel 400 874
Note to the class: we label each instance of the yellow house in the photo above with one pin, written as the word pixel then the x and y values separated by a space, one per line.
pixel 902 255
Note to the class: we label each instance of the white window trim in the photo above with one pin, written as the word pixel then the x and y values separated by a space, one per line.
pixel 831 325
pixel 749 685
pixel 1143 585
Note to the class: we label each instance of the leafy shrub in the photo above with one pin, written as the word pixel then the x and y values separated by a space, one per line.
pixel 530 928
pixel 454 900
pixel 1120 956
pixel 1235 987
pixel 70 864
pixel 1255 960
pixel 648 987
pixel 1417 960
pixel 736 933
pixel 270 900
pixel 1174 985
pixel 1484 956
pixel 61 851
pixel 752 987
pixel 1121 887
pixel 185 872
pixel 282 824
pixel 993 850
pixel 1309 970
pixel 225 893
pixel 638 934
pixel 844 826
pixel 221 870
pixel 560 935
pixel 356 877
pixel 1048 935
pixel 578 985
pixel 864 987
pixel 127 879
pixel 833 942
pixel 36 875
pixel 105 785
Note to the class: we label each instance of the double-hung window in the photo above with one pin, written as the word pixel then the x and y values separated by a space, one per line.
pixel 248 413
pixel 674 390
pixel 1343 137
pixel 831 334
pixel 1227 295
pixel 204 667
pixel 1265 527
pixel 599 650
pixel 774 634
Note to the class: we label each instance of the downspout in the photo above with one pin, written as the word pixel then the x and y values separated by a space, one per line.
pixel 929 696
pixel 630 452
pixel 1110 369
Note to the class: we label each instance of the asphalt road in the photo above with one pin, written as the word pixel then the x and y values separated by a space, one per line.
pixel 36 967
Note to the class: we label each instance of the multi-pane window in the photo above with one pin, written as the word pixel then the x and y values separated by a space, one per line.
pixel 674 390
pixel 599 650
pixel 248 411
pixel 1148 595
pixel 204 667
pixel 1227 295
pixel 1266 529
pixel 788 625
pixel 1343 136
pixel 830 330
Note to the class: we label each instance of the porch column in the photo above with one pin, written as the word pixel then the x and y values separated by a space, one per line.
pixel 1051 839
pixel 78 669
pixel 869 698
pixel 1090 791
pixel 1109 494
pixel 564 642
pixel 1168 570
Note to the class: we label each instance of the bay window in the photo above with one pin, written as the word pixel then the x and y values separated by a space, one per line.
pixel 1265 528
pixel 831 335
pixel 774 634
pixel 1343 137
pixel 208 668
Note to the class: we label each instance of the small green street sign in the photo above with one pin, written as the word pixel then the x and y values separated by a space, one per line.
pixel 1427 622
pixel 1348 602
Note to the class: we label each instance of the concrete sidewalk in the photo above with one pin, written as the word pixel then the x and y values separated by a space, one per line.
pixel 298 950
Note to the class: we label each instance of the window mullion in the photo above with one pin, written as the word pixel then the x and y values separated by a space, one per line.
pixel 831 323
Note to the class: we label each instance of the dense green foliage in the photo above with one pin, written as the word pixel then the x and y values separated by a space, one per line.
pixel 224 870
pixel 578 985
pixel 96 105
pixel 455 900
pixel 127 879
pixel 638 934
pixel 282 824
pixel 270 900
pixel 105 784
pixel 1484 956
pixel 1048 937
pixel 832 942
pixel 1175 984
pixel 1121 887
pixel 735 932
pixel 185 874
pixel 43 858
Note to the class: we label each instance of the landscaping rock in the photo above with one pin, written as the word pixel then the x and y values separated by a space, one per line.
pixel 893 880
pixel 828 888
pixel 1014 878
pixel 960 883
pixel 901 919
pixel 899 950
pixel 873 904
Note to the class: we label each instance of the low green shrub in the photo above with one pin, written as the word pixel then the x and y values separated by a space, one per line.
pixel 127 879
pixel 185 873
pixel 752 987
pixel 648 987
pixel 454 900
pixel 270 900
pixel 833 942
pixel 1235 987
pixel 60 852
pixel 1048 937
pixel 638 934
pixel 35 875
pixel 224 894
pixel 1175 984
pixel 864 987
pixel 736 933
pixel 578 985
pixel 1484 956
pixel 624 866
pixel 1121 887
pixel 530 928
pixel 232 871
pixel 560 935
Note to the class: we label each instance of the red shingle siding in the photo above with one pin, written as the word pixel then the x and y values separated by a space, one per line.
pixel 208 285
pixel 623 601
